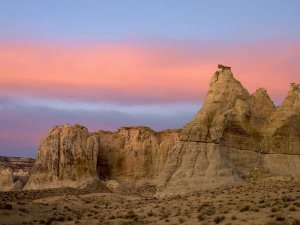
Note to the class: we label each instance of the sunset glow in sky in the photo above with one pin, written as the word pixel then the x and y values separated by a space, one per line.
pixel 106 64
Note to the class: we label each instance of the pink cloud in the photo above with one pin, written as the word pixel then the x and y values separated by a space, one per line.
pixel 129 73
pixel 142 73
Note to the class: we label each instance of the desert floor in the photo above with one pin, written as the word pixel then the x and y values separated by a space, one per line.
pixel 264 202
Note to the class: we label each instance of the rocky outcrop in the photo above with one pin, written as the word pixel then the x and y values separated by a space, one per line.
pixel 14 172
pixel 67 157
pixel 70 156
pixel 17 163
pixel 234 135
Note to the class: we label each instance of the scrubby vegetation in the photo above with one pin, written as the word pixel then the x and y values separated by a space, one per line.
pixel 261 203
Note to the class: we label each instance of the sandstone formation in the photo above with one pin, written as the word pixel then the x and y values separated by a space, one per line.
pixel 14 172
pixel 234 135
pixel 70 156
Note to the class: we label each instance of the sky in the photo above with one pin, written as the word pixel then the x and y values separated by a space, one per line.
pixel 107 64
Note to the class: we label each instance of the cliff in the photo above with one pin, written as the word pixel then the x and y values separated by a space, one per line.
pixel 70 156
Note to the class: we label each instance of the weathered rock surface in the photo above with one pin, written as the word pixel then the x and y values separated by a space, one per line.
pixel 67 157
pixel 282 129
pixel 14 172
pixel 70 156
pixel 134 152
pixel 234 135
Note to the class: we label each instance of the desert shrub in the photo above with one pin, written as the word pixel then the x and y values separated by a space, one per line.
pixel 130 215
pixel 297 204
pixel 111 217
pixel 279 218
pixel 254 208
pixel 287 198
pixel 178 213
pixel 271 223
pixel 206 209
pixel 181 220
pixel 244 208
pixel 150 213
pixel 23 210
pixel 6 206
pixel 286 204
pixel 164 213
pixel 164 216
pixel 50 220
pixel 296 222
pixel 61 219
pixel 233 217
pixel 219 219
pixel 292 209
pixel 275 223
pixel 140 222
pixel 274 209
pixel 261 201
pixel 201 217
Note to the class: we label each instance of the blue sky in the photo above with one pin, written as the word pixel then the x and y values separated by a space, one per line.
pixel 117 20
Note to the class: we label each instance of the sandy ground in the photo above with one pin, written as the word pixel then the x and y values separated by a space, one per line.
pixel 264 202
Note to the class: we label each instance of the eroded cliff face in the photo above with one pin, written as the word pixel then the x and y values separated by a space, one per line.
pixel 282 129
pixel 234 135
pixel 67 157
pixel 134 153
pixel 14 172
pixel 70 156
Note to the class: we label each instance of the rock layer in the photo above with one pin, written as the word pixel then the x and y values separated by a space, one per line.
pixel 71 156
